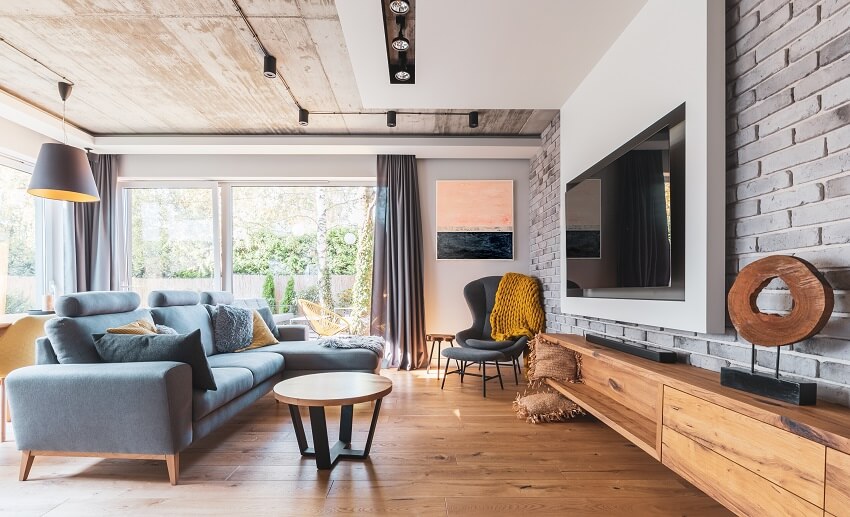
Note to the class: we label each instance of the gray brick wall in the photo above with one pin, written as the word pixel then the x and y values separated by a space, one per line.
pixel 788 186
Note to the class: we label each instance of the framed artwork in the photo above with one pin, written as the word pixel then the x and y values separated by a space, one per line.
pixel 475 220
pixel 584 220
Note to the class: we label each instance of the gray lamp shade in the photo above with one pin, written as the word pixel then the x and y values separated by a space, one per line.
pixel 63 172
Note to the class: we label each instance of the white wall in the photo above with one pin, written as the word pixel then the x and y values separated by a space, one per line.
pixel 19 142
pixel 445 307
pixel 247 167
pixel 672 52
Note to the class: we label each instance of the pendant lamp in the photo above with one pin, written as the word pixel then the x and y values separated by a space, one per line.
pixel 62 172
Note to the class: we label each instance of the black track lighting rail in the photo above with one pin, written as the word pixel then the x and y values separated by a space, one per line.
pixel 34 59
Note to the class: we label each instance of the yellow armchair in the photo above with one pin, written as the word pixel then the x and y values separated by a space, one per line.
pixel 17 349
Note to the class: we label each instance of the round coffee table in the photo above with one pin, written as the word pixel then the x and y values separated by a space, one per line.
pixel 332 389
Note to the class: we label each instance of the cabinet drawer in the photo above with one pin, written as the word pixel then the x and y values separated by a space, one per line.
pixel 837 483
pixel 739 489
pixel 787 460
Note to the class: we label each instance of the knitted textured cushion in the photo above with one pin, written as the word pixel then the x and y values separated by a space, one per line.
pixel 162 329
pixel 549 360
pixel 140 327
pixel 233 328
pixel 545 407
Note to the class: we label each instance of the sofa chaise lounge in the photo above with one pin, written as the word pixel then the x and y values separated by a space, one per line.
pixel 147 410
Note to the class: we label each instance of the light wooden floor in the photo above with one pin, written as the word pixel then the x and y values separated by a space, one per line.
pixel 435 453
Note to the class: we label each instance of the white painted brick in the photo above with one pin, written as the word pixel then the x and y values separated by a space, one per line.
pixel 763 185
pixel 834 50
pixel 743 173
pixel 796 112
pixel 733 352
pixel 815 38
pixel 767 25
pixel 822 78
pixel 741 102
pixel 765 108
pixel 707 362
pixel 791 363
pixel 660 339
pixel 829 257
pixel 787 77
pixel 823 123
pixel 838 372
pixel 745 245
pixel 765 146
pixel 691 344
pixel 832 164
pixel 794 239
pixel 760 72
pixel 741 138
pixel 838 139
pixel 836 94
pixel 795 155
pixel 743 209
pixel 789 32
pixel 635 334
pixel 836 233
pixel 824 347
pixel 830 7
pixel 791 198
pixel 838 187
pixel 742 65
pixel 825 211
pixel 763 224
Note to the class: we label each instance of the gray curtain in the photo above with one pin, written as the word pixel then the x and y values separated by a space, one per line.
pixel 94 250
pixel 398 302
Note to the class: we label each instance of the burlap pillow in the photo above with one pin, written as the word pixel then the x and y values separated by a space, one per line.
pixel 549 360
pixel 545 407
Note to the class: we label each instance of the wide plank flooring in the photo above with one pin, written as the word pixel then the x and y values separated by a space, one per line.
pixel 435 452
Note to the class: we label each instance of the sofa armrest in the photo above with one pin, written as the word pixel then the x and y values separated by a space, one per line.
pixel 293 332
pixel 130 408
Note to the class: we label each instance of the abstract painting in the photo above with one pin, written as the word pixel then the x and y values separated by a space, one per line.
pixel 475 220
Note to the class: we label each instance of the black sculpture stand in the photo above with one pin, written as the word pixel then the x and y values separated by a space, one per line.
pixel 799 393
pixel 326 456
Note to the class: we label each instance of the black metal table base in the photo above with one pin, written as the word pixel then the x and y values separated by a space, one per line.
pixel 327 456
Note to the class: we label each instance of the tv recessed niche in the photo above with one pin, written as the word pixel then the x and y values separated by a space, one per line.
pixel 624 219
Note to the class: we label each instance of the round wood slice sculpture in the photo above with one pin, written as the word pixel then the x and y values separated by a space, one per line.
pixel 812 302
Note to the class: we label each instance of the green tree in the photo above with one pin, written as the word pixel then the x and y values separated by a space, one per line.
pixel 362 289
pixel 288 299
pixel 268 292
pixel 341 255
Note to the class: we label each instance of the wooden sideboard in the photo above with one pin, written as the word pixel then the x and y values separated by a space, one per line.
pixel 755 455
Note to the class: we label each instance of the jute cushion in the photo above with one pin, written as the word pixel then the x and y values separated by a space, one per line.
pixel 549 360
pixel 545 407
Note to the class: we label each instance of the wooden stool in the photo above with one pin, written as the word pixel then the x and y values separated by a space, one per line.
pixel 437 339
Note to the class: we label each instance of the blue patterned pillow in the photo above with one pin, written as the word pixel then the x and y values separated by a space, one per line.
pixel 233 328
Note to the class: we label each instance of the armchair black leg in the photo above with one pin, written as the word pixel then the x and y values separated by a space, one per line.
pixel 499 373
pixel 515 367
pixel 443 385
pixel 481 366
pixel 461 365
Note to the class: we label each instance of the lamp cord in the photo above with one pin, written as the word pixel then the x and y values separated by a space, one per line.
pixel 64 128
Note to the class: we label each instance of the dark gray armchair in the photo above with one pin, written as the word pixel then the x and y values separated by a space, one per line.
pixel 481 297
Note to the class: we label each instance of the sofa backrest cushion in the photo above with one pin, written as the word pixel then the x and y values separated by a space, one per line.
pixel 71 337
pixel 261 306
pixel 173 298
pixel 185 319
pixel 216 298
pixel 96 302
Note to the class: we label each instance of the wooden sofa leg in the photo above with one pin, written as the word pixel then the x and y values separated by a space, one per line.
pixel 173 463
pixel 26 464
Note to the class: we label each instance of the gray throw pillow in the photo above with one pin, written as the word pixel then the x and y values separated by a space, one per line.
pixel 266 314
pixel 233 328
pixel 168 331
pixel 182 348
pixel 71 343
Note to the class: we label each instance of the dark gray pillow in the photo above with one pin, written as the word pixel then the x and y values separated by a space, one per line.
pixel 182 348
pixel 233 328
pixel 71 343
pixel 266 314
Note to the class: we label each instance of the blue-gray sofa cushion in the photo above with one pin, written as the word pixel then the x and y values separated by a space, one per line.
pixel 308 355
pixel 233 328
pixel 173 298
pixel 231 383
pixel 71 338
pixel 181 348
pixel 216 298
pixel 262 365
pixel 186 318
pixel 267 316
pixel 96 302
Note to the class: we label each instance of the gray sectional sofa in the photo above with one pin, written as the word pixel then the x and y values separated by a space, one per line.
pixel 147 410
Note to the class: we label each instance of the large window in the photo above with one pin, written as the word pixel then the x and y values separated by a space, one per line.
pixel 17 243
pixel 173 239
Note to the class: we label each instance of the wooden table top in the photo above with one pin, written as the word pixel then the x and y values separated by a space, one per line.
pixel 332 389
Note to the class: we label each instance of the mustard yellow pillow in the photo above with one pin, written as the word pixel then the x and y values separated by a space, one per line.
pixel 140 327
pixel 262 335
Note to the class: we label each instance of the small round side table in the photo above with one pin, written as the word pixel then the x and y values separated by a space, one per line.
pixel 437 339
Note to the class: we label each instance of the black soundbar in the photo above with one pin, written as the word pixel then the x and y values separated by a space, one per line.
pixel 653 354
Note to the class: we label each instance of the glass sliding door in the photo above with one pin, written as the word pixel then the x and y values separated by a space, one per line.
pixel 172 238
pixel 18 243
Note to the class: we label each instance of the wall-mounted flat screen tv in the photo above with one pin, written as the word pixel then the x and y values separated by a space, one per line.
pixel 625 218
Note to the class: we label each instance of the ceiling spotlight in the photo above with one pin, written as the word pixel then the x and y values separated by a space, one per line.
pixel 270 66
pixel 473 119
pixel 400 6
pixel 402 75
pixel 303 116
pixel 401 43
pixel 391 119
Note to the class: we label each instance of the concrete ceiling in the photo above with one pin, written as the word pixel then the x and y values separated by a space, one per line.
pixel 192 67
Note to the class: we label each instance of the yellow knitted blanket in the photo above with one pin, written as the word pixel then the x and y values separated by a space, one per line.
pixel 517 311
